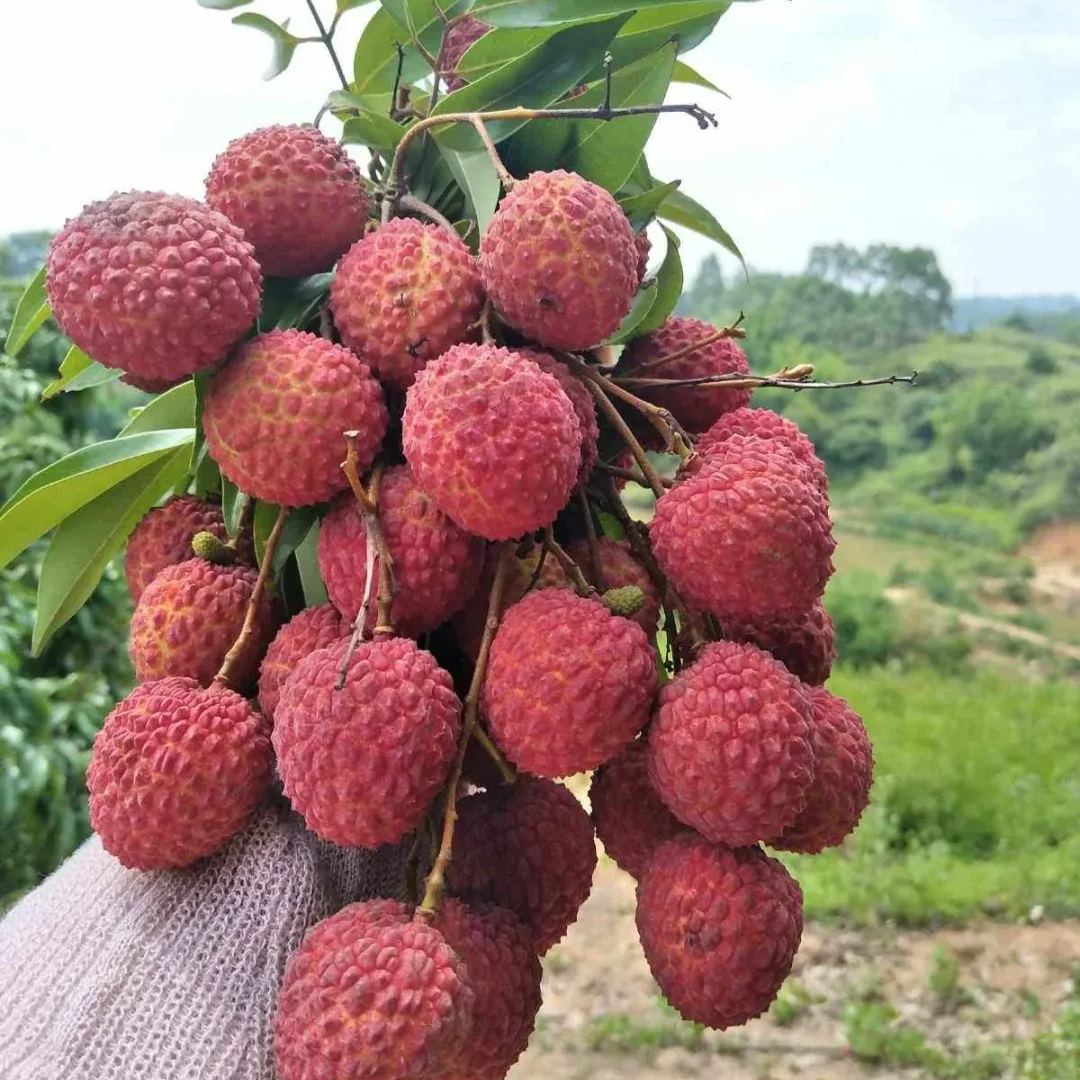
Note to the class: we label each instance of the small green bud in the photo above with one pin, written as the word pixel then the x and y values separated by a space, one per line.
pixel 207 546
pixel 627 600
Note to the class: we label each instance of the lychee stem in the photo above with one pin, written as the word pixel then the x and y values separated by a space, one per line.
pixel 327 38
pixel 787 380
pixel 594 543
pixel 570 568
pixel 418 206
pixel 241 644
pixel 735 330
pixel 503 173
pixel 629 474
pixel 486 743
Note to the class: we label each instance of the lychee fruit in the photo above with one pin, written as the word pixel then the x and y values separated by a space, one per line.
pixel 460 36
pixel 643 247
pixel 312 629
pixel 176 770
pixel 731 751
pixel 276 416
pixel 157 285
pixel 568 683
pixel 619 568
pixel 403 295
pixel 363 763
pixel 163 538
pixel 295 192
pixel 719 927
pixel 695 407
pixel 188 618
pixel 436 565
pixel 383 1002
pixel 844 773
pixel 528 847
pixel 804 645
pixel 493 440
pixel 630 819
pixel 559 261
pixel 747 539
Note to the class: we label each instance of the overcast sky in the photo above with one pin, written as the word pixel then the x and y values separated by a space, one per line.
pixel 953 124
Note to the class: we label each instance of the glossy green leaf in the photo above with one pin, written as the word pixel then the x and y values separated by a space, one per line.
pixel 173 409
pixel 475 174
pixel 223 5
pixel 680 209
pixel 297 526
pixel 233 502
pixel 684 73
pixel 307 562
pixel 284 42
pixel 74 363
pixel 547 12
pixel 643 302
pixel 95 375
pixel 499 47
pixel 641 209
pixel 669 287
pixel 372 129
pixel 30 312
pixel 422 20
pixel 375 60
pixel 348 5
pixel 292 302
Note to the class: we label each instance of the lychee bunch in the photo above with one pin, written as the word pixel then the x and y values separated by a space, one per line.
pixel 363 763
pixel 176 770
pixel 296 194
pixel 568 684
pixel 461 35
pixel 312 629
pixel 618 568
pixel 403 295
pixel 435 563
pixel 719 927
pixel 559 261
pixel 276 415
pixel 804 645
pixel 493 440
pixel 157 285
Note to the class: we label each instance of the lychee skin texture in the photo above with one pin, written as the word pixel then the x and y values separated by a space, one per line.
pixel 841 787
pixel 559 261
pixel 363 763
pixel 403 295
pixel 804 645
pixel 568 684
pixel 296 194
pixel 312 629
pixel 620 568
pixel 188 618
pixel 643 246
pixel 719 927
pixel 748 540
pixel 436 564
pixel 382 1002
pixel 493 440
pixel 505 974
pixel 176 770
pixel 157 285
pixel 731 750
pixel 630 819
pixel 462 34
pixel 528 847
pixel 276 416
pixel 695 407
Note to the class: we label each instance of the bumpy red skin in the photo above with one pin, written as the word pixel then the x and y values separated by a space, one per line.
pixel 436 564
pixel 176 771
pixel 312 629
pixel 296 194
pixel 188 618
pixel 804 645
pixel 695 407
pixel 363 763
pixel 276 416
pixel 382 1002
pixel 559 261
pixel 841 788
pixel 620 568
pixel 493 440
pixel 568 684
pixel 731 752
pixel 630 819
pixel 460 37
pixel 748 539
pixel 719 927
pixel 643 246
pixel 403 295
pixel 157 285
pixel 530 848
pixel 505 974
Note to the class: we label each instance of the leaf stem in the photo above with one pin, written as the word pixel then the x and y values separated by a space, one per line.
pixel 327 38
pixel 570 568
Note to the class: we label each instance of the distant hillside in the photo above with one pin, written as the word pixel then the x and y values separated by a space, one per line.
pixel 975 312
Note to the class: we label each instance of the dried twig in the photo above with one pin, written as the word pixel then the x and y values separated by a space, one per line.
pixel 594 543
pixel 735 330
pixel 738 381
pixel 570 568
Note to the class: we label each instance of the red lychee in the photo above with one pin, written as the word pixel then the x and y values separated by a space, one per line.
pixel 844 773
pixel 363 763
pixel 559 261
pixel 720 928
pixel 276 416
pixel 383 1002
pixel 695 407
pixel 403 295
pixel 176 770
pixel 730 749
pixel 156 285
pixel 493 440
pixel 528 847
pixel 461 35
pixel 312 629
pixel 188 618
pixel 296 194
pixel 643 246
pixel 619 567
pixel 630 819
pixel 568 684
pixel 804 645
pixel 436 564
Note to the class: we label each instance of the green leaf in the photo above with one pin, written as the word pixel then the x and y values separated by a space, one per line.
pixel 547 12
pixel 499 47
pixel 669 287
pixel 284 42
pixel 307 562
pixel 371 129
pixel 292 302
pixel 30 312
pixel 641 209
pixel 223 5
pixel 680 209
pixel 173 409
pixel 643 302
pixel 74 363
pixel 86 542
pixel 233 501
pixel 348 5
pixel 611 526
pixel 684 73
pixel 475 174
pixel 375 60
pixel 297 526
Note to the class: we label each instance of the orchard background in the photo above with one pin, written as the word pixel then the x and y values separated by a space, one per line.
pixel 942 937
